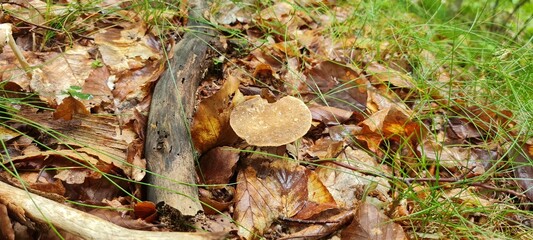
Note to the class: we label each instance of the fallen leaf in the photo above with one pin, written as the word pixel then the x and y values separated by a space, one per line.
pixel 68 108
pixel 371 223
pixel 7 134
pixel 145 210
pixel 466 197
pixel 337 85
pixel 329 115
pixel 218 165
pixel 271 124
pixel 347 186
pixel 211 127
pixel 6 231
pixel 268 191
pixel 73 176
pixel 390 123
pixel 61 72
pixel 216 200
pixel 381 74
pixel 122 220
pixel 321 230
pixel 127 48
pixel 96 85
pixel 136 84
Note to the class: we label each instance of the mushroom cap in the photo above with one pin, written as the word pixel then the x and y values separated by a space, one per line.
pixel 271 124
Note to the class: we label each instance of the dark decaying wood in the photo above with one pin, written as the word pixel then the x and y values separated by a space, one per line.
pixel 168 147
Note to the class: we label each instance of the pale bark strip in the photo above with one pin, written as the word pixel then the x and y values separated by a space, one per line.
pixel 168 147
pixel 80 223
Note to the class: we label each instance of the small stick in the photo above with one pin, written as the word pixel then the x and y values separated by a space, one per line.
pixel 307 221
pixel 460 180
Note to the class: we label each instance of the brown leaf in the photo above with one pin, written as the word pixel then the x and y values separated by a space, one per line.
pixel 97 86
pixel 452 157
pixel 7 134
pixel 145 210
pixel 122 220
pixel 382 74
pixel 6 231
pixel 136 84
pixel 218 165
pixel 80 183
pixel 61 72
pixel 339 85
pixel 325 148
pixel 486 118
pixel 210 127
pixel 137 169
pixel 371 223
pixel 391 123
pixel 462 129
pixel 282 15
pixel 318 231
pixel 329 115
pixel 216 200
pixel 68 108
pixel 346 186
pixel 127 48
pixel 318 198
pixel 267 191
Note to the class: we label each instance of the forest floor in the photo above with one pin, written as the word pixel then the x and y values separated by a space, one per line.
pixel 318 119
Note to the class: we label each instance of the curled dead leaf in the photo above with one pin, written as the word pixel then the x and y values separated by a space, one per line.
pixel 371 223
pixel 271 124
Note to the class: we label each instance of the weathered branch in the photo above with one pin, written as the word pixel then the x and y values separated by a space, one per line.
pixel 168 146
pixel 79 223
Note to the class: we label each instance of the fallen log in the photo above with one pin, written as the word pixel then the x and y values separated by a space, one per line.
pixel 79 223
pixel 168 147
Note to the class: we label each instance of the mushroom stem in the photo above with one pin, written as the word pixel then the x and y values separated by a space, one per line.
pixel 16 50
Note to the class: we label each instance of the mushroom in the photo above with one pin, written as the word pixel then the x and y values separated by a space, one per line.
pixel 271 124
pixel 6 37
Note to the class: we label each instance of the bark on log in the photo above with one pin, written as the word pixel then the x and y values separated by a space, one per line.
pixel 79 223
pixel 168 147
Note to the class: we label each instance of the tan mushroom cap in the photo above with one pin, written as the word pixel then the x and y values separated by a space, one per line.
pixel 271 124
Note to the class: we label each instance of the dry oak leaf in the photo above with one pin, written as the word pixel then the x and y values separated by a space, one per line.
pixel 271 124
pixel 371 223
pixel 128 48
pixel 340 86
pixel 382 74
pixel 218 165
pixel 268 191
pixel 346 186
pixel 60 72
pixel 391 123
pixel 329 115
pixel 210 127
pixel 68 108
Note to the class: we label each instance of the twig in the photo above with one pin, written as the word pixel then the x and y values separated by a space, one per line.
pixel 353 168
pixel 307 221
pixel 455 180
pixel 408 181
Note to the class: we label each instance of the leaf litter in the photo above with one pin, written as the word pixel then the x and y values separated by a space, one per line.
pixel 337 174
